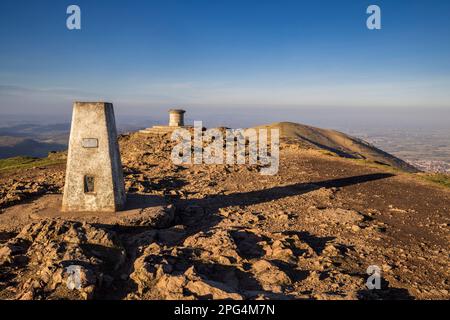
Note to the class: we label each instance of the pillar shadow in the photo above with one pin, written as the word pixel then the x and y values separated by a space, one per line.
pixel 247 243
pixel 142 201
pixel 276 193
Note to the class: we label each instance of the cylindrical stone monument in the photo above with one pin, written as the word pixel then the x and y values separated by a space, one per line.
pixel 176 117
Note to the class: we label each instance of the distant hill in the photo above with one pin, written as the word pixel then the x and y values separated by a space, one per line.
pixel 338 143
pixel 18 146
pixel 29 129
pixel 37 140
pixel 32 140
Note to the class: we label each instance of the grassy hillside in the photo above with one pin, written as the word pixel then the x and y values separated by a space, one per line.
pixel 339 143
pixel 438 178
pixel 28 162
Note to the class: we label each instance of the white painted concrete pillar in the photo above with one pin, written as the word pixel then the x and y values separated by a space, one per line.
pixel 94 176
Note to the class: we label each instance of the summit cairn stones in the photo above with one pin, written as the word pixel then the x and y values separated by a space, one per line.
pixel 94 176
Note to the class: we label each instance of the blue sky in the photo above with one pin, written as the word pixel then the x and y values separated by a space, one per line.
pixel 228 53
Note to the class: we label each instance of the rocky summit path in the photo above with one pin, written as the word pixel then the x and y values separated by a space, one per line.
pixel 226 232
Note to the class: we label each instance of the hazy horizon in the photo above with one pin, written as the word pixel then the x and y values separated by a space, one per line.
pixel 343 118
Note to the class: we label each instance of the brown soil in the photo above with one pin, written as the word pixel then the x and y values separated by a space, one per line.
pixel 219 232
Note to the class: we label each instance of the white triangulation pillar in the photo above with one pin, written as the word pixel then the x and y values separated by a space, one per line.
pixel 94 176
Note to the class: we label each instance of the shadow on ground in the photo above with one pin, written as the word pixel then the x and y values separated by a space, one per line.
pixel 203 218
